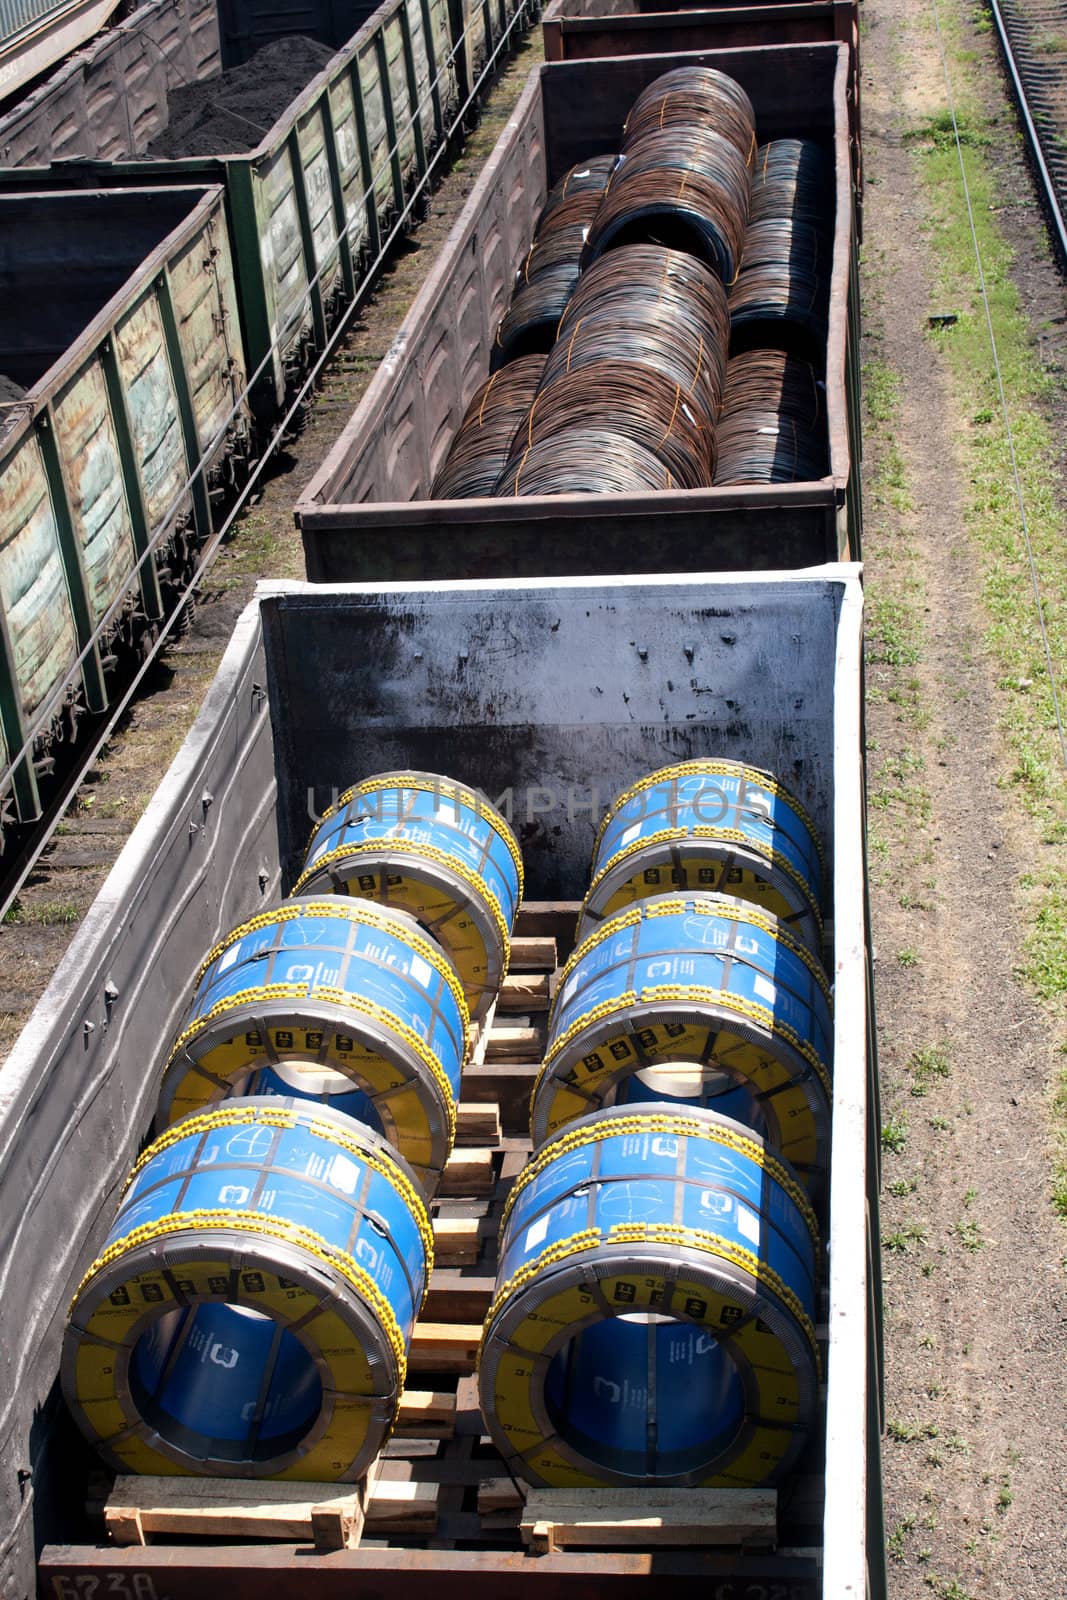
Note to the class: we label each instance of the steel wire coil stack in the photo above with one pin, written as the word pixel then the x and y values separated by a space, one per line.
pixel 337 1000
pixel 715 825
pixel 654 1314
pixel 585 460
pixel 772 428
pixel 640 356
pixel 479 451
pixel 698 980
pixel 550 271
pixel 435 848
pixel 252 1307
pixel 683 174
pixel 694 95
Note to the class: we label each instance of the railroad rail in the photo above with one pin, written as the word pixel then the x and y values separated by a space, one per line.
pixel 1033 37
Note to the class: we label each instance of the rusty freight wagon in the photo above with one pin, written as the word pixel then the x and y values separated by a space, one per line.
pixel 366 514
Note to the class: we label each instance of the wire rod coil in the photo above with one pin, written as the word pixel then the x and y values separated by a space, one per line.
pixel 695 978
pixel 686 187
pixel 478 452
pixel 636 400
pixel 657 306
pixel 653 1321
pixel 252 1308
pixel 550 271
pixel 584 460
pixel 585 177
pixel 793 178
pixel 773 424
pixel 784 278
pixel 529 324
pixel 342 1001
pixel 437 849
pixel 694 96
pixel 714 825
pixel 765 379
pixel 767 447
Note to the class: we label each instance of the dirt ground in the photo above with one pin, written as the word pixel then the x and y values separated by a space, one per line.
pixel 975 1297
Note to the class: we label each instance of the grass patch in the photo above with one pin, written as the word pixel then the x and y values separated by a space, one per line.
pixel 902 1240
pixel 1033 776
pixel 895 1132
pixel 926 1065
pixel 969 1234
pixel 909 1432
pixel 45 914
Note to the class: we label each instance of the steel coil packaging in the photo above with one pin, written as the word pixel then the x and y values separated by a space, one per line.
pixel 251 1309
pixel 695 979
pixel 339 1000
pixel 711 825
pixel 434 848
pixel 654 1314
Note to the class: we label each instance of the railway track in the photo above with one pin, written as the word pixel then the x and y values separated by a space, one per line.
pixel 1033 37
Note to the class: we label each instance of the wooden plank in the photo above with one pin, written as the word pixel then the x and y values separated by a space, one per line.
pixel 497 1495
pixel 533 955
pixel 456 1240
pixel 237 1508
pixel 477 1123
pixel 402 1508
pixel 469 1172
pixel 427 1414
pixel 556 919
pixel 232 1508
pixel 480 1034
pixel 444 1346
pixel 454 1299
pixel 524 992
pixel 515 1044
pixel 557 1519
pixel 294 1572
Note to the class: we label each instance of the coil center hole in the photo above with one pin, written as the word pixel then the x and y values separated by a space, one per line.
pixel 645 1394
pixel 223 1382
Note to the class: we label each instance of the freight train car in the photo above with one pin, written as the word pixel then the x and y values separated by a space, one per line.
pixel 580 30
pixel 124 415
pixel 108 100
pixel 367 512
pixel 549 699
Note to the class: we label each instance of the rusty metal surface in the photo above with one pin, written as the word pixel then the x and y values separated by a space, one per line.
pixel 33 592
pixel 78 1092
pixel 85 434
pixel 293 1572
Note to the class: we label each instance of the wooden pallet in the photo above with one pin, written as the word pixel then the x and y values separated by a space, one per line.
pixel 440 1519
